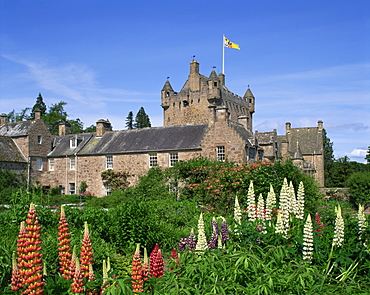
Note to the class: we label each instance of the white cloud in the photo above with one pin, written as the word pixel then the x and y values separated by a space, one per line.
pixel 357 153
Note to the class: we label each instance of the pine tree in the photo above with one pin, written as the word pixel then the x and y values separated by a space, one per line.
pixel 367 157
pixel 328 155
pixel 142 119
pixel 130 120
pixel 39 105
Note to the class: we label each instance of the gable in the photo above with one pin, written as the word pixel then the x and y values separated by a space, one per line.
pixel 9 152
pixel 16 129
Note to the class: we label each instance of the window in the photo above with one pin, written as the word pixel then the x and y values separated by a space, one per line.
pixel 72 163
pixel 38 164
pixel 108 189
pixel 153 160
pixel 73 143
pixel 51 164
pixel 72 188
pixel 39 139
pixel 109 162
pixel 220 153
pixel 174 157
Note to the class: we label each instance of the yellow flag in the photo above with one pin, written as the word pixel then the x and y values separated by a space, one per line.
pixel 229 44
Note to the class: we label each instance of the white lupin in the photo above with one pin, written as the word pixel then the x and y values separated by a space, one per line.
pixel 202 240
pixel 270 202
pixel 251 203
pixel 300 201
pixel 284 207
pixel 260 208
pixel 237 211
pixel 362 224
pixel 308 240
pixel 339 228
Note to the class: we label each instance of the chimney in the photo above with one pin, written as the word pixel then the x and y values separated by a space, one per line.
pixel 2 119
pixel 102 126
pixel 212 115
pixel 221 76
pixel 243 120
pixel 319 125
pixel 222 114
pixel 64 128
pixel 287 127
pixel 37 114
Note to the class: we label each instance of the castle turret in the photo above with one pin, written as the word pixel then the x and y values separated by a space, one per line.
pixel 214 91
pixel 249 98
pixel 167 93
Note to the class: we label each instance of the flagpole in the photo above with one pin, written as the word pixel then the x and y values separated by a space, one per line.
pixel 223 54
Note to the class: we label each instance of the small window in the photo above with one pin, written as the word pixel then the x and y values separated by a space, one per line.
pixel 73 143
pixel 174 157
pixel 153 160
pixel 38 164
pixel 72 163
pixel 72 188
pixel 108 189
pixel 51 164
pixel 220 153
pixel 215 84
pixel 167 94
pixel 109 162
pixel 39 139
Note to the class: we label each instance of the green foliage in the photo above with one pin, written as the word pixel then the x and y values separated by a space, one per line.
pixel 40 105
pixel 215 184
pixel 142 119
pixel 367 157
pixel 83 187
pixel 91 128
pixel 341 169
pixel 115 179
pixel 130 120
pixel 11 181
pixel 15 117
pixel 359 185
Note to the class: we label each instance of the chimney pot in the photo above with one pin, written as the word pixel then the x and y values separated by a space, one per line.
pixel 2 119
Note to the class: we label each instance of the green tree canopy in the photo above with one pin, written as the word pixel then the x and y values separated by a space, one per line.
pixel 16 117
pixel 367 157
pixel 130 120
pixel 142 119
pixel 39 105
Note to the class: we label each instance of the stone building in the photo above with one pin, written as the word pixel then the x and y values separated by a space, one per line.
pixel 203 119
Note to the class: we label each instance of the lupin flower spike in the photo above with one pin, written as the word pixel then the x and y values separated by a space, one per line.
pixel 339 228
pixel 237 212
pixel 31 256
pixel 16 279
pixel 146 267
pixel 65 254
pixel 136 272
pixel 77 285
pixel 86 255
pixel 308 239
pixel 202 240
pixel 251 203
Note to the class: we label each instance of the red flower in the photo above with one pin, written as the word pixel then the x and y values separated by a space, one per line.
pixel 86 255
pixel 64 246
pixel 319 225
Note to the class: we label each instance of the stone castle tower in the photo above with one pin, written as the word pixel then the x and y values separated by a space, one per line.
pixel 199 98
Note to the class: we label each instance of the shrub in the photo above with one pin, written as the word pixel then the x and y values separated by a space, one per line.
pixel 359 188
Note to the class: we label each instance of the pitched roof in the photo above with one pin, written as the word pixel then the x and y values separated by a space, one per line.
pixel 309 140
pixel 266 137
pixel 246 135
pixel 169 138
pixel 9 151
pixel 62 144
pixel 15 129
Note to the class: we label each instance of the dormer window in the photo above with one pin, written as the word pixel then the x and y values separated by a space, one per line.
pixel 73 143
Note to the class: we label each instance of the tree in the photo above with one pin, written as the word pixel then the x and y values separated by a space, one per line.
pixel 54 116
pixel 367 157
pixel 328 155
pixel 91 128
pixel 76 126
pixel 39 105
pixel 16 117
pixel 142 119
pixel 130 120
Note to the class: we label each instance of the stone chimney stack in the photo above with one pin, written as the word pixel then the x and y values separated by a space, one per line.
pixel 221 76
pixel 37 114
pixel 222 114
pixel 319 125
pixel 243 120
pixel 212 115
pixel 287 127
pixel 2 119
pixel 64 128
pixel 194 77
pixel 102 126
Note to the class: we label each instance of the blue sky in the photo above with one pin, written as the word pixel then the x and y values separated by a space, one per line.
pixel 304 60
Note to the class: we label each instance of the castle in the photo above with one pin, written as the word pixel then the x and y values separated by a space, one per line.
pixel 203 119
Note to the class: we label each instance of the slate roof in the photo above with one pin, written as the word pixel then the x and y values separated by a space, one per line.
pixel 9 152
pixel 169 138
pixel 242 132
pixel 16 129
pixel 309 140
pixel 266 137
pixel 62 147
